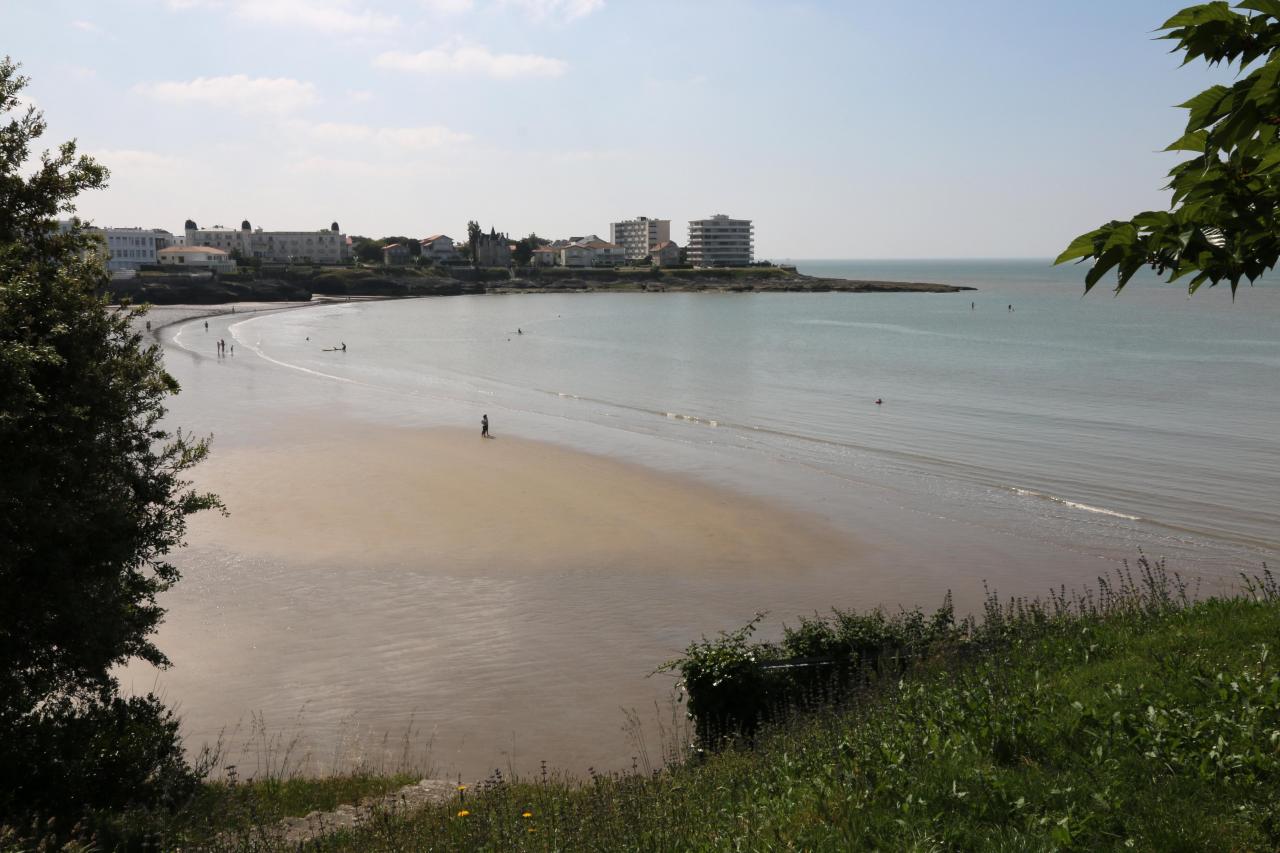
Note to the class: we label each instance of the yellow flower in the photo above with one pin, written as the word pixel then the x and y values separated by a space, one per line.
pixel 463 813
pixel 527 814
pixel 462 787
pixel 531 829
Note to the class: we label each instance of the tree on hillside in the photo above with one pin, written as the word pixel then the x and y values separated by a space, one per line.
pixel 523 252
pixel 91 499
pixel 1222 224
pixel 473 239
pixel 414 247
pixel 366 249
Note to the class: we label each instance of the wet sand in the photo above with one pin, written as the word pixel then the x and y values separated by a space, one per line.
pixel 377 496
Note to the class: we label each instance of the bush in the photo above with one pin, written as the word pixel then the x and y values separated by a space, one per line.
pixel 75 757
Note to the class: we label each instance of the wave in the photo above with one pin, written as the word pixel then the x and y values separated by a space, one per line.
pixel 676 416
pixel 1074 504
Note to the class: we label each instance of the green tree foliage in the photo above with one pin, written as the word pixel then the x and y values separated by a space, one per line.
pixel 1222 222
pixel 91 492
pixel 367 250
pixel 473 239
pixel 523 252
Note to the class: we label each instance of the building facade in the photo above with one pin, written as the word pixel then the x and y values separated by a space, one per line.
pixel 665 254
pixel 493 250
pixel 396 255
pixel 196 257
pixel 131 248
pixel 591 253
pixel 317 247
pixel 439 248
pixel 545 257
pixel 636 236
pixel 720 242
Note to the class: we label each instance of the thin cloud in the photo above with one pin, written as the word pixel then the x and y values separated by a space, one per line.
pixel 344 167
pixel 134 159
pixel 475 60
pixel 331 16
pixel 406 138
pixel 557 10
pixel 448 7
pixel 237 91
pixel 86 26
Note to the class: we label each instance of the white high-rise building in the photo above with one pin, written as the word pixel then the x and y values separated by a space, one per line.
pixel 637 236
pixel 130 248
pixel 720 242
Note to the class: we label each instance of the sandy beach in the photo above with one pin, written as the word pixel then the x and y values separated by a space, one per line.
pixel 374 495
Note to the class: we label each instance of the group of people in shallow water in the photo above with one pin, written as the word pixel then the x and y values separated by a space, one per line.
pixel 222 348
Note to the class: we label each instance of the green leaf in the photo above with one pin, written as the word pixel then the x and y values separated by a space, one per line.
pixel 1081 247
pixel 1270 8
pixel 1204 107
pixel 1193 141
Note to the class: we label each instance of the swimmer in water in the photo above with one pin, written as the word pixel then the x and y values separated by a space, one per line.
pixel 879 402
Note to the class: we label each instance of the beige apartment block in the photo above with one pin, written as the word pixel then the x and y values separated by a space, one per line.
pixel 636 236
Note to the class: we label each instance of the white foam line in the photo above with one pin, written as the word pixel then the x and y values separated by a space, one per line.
pixel 262 355
pixel 1100 510
pixel 1075 505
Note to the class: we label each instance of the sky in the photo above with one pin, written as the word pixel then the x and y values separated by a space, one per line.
pixel 853 129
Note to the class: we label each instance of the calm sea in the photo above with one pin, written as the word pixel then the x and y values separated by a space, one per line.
pixel 1029 435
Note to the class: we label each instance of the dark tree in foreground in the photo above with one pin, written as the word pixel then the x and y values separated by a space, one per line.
pixel 1222 222
pixel 91 498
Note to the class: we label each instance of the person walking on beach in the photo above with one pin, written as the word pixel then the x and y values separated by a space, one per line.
pixel 344 346
pixel 206 325
pixel 484 426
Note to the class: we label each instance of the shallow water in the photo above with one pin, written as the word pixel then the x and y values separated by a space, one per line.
pixel 1030 448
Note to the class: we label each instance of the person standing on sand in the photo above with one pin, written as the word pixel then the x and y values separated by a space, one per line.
pixel 206 325
pixel 484 426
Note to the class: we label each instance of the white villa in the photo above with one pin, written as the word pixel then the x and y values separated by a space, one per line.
pixel 197 257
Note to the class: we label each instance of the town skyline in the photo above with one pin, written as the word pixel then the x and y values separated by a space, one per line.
pixel 1001 131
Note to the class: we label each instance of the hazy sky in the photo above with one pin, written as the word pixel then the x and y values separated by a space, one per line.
pixel 844 129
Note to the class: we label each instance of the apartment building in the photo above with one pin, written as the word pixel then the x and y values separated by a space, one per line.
pixel 324 246
pixel 636 236
pixel 720 242
pixel 131 248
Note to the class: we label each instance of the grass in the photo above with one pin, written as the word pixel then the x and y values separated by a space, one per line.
pixel 1134 719
pixel 234 810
